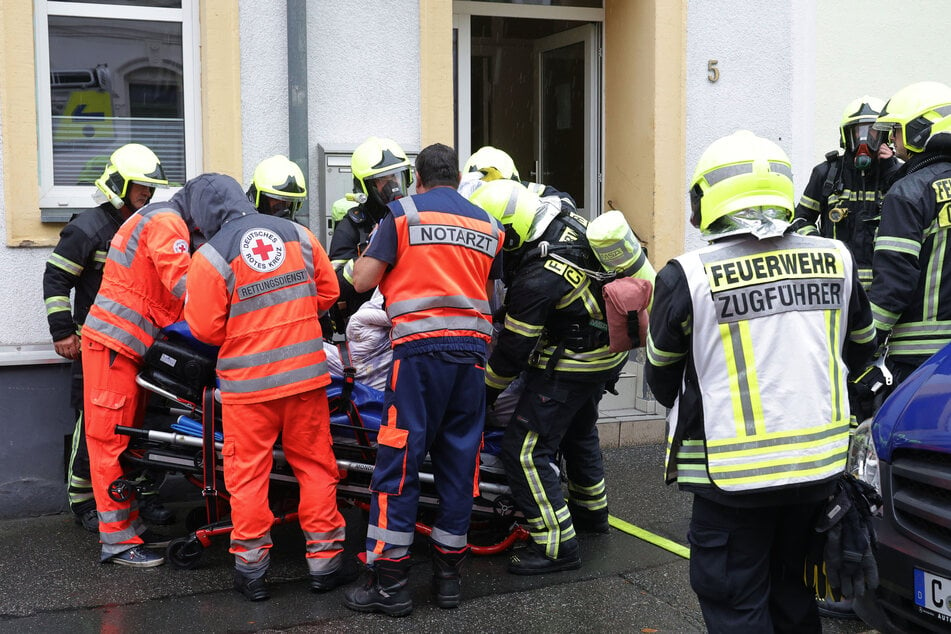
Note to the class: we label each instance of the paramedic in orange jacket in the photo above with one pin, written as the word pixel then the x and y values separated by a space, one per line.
pixel 433 257
pixel 142 291
pixel 256 289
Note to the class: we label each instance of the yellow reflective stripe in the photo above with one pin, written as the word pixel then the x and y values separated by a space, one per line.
pixel 809 203
pixel 862 335
pixel 796 439
pixel 100 256
pixel 57 304
pixel 571 361
pixel 495 380
pixel 522 328
pixel 836 380
pixel 933 274
pixel 898 245
pixel 829 463
pixel 744 386
pixel 537 489
pixel 348 272
pixel 882 319
pixel 595 489
pixel 62 263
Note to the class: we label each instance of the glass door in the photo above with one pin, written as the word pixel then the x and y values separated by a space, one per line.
pixel 568 153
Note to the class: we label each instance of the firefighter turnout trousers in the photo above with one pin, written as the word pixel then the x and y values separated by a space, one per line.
pixel 746 566
pixel 448 390
pixel 555 413
pixel 112 398
pixel 250 433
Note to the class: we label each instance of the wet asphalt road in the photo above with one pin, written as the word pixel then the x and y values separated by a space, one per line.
pixel 51 580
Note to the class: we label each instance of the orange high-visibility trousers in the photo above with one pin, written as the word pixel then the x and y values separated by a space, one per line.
pixel 250 432
pixel 111 397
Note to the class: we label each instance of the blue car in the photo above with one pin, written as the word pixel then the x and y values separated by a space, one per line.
pixel 905 452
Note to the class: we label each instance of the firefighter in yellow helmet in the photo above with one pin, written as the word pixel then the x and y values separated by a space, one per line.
pixel 278 187
pixel 911 285
pixel 75 265
pixel 843 198
pixel 381 174
pixel 489 163
pixel 554 334
pixel 760 453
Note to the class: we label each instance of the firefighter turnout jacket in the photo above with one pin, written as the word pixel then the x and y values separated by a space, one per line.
pixel 77 263
pixel 911 291
pixel 843 202
pixel 728 322
pixel 351 235
pixel 256 290
pixel 554 313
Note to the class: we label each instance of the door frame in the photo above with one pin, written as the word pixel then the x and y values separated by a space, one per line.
pixel 586 34
pixel 463 10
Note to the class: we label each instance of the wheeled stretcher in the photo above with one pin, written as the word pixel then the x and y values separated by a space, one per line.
pixel 188 441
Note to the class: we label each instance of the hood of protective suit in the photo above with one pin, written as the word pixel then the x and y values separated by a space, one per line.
pixel 759 222
pixel 208 201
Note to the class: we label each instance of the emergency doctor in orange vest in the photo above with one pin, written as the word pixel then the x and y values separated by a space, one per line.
pixel 434 257
pixel 142 291
pixel 257 289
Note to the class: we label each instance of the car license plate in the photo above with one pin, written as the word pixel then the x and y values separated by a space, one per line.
pixel 933 593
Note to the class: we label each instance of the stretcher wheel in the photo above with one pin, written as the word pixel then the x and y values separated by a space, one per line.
pixel 121 490
pixel 184 552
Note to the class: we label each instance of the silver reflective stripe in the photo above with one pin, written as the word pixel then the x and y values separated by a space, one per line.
pixel 781 168
pixel 396 538
pixel 725 474
pixel 729 171
pixel 117 537
pixel 409 209
pixel 431 324
pixel 113 516
pixel 306 250
pixel 742 379
pixel 270 356
pixel 418 304
pixel 275 380
pixel 447 539
pixel 179 289
pixel 272 298
pixel 217 262
pixel 324 541
pixel 733 446
pixel 116 333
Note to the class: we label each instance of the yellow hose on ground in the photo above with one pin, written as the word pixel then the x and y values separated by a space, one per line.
pixel 647 536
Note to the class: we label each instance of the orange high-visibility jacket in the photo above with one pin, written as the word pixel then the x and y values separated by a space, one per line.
pixel 143 283
pixel 443 263
pixel 256 290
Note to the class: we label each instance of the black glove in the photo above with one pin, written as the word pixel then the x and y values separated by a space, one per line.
pixel 850 538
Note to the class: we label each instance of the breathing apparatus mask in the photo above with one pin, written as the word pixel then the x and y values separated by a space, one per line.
pixel 858 142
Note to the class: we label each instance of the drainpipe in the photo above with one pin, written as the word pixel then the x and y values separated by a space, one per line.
pixel 298 145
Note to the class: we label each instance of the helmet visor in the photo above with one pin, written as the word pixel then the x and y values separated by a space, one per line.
pixel 880 134
pixel 857 134
pixel 390 185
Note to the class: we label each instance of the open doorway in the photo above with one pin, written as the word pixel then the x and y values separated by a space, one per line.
pixel 532 88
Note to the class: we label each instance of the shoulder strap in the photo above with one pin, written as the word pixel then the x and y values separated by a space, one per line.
pixel 832 181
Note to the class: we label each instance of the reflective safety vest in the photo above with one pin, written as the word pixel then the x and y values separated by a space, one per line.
pixel 437 288
pixel 255 289
pixel 770 319
pixel 143 283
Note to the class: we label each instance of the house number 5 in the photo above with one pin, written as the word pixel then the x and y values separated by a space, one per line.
pixel 713 73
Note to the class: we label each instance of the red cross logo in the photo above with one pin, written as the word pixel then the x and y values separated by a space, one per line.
pixel 262 250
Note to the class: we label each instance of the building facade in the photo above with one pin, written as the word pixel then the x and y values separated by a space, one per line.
pixel 611 100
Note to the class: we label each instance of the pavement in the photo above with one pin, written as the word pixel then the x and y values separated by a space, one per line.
pixel 51 579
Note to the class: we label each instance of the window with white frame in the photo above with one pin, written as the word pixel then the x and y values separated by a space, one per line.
pixel 113 72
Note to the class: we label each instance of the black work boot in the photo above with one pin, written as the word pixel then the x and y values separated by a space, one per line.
pixel 586 521
pixel 383 589
pixel 531 560
pixel 324 582
pixel 253 588
pixel 152 511
pixel 447 570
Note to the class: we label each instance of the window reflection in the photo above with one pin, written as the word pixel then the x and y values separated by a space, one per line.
pixel 114 82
